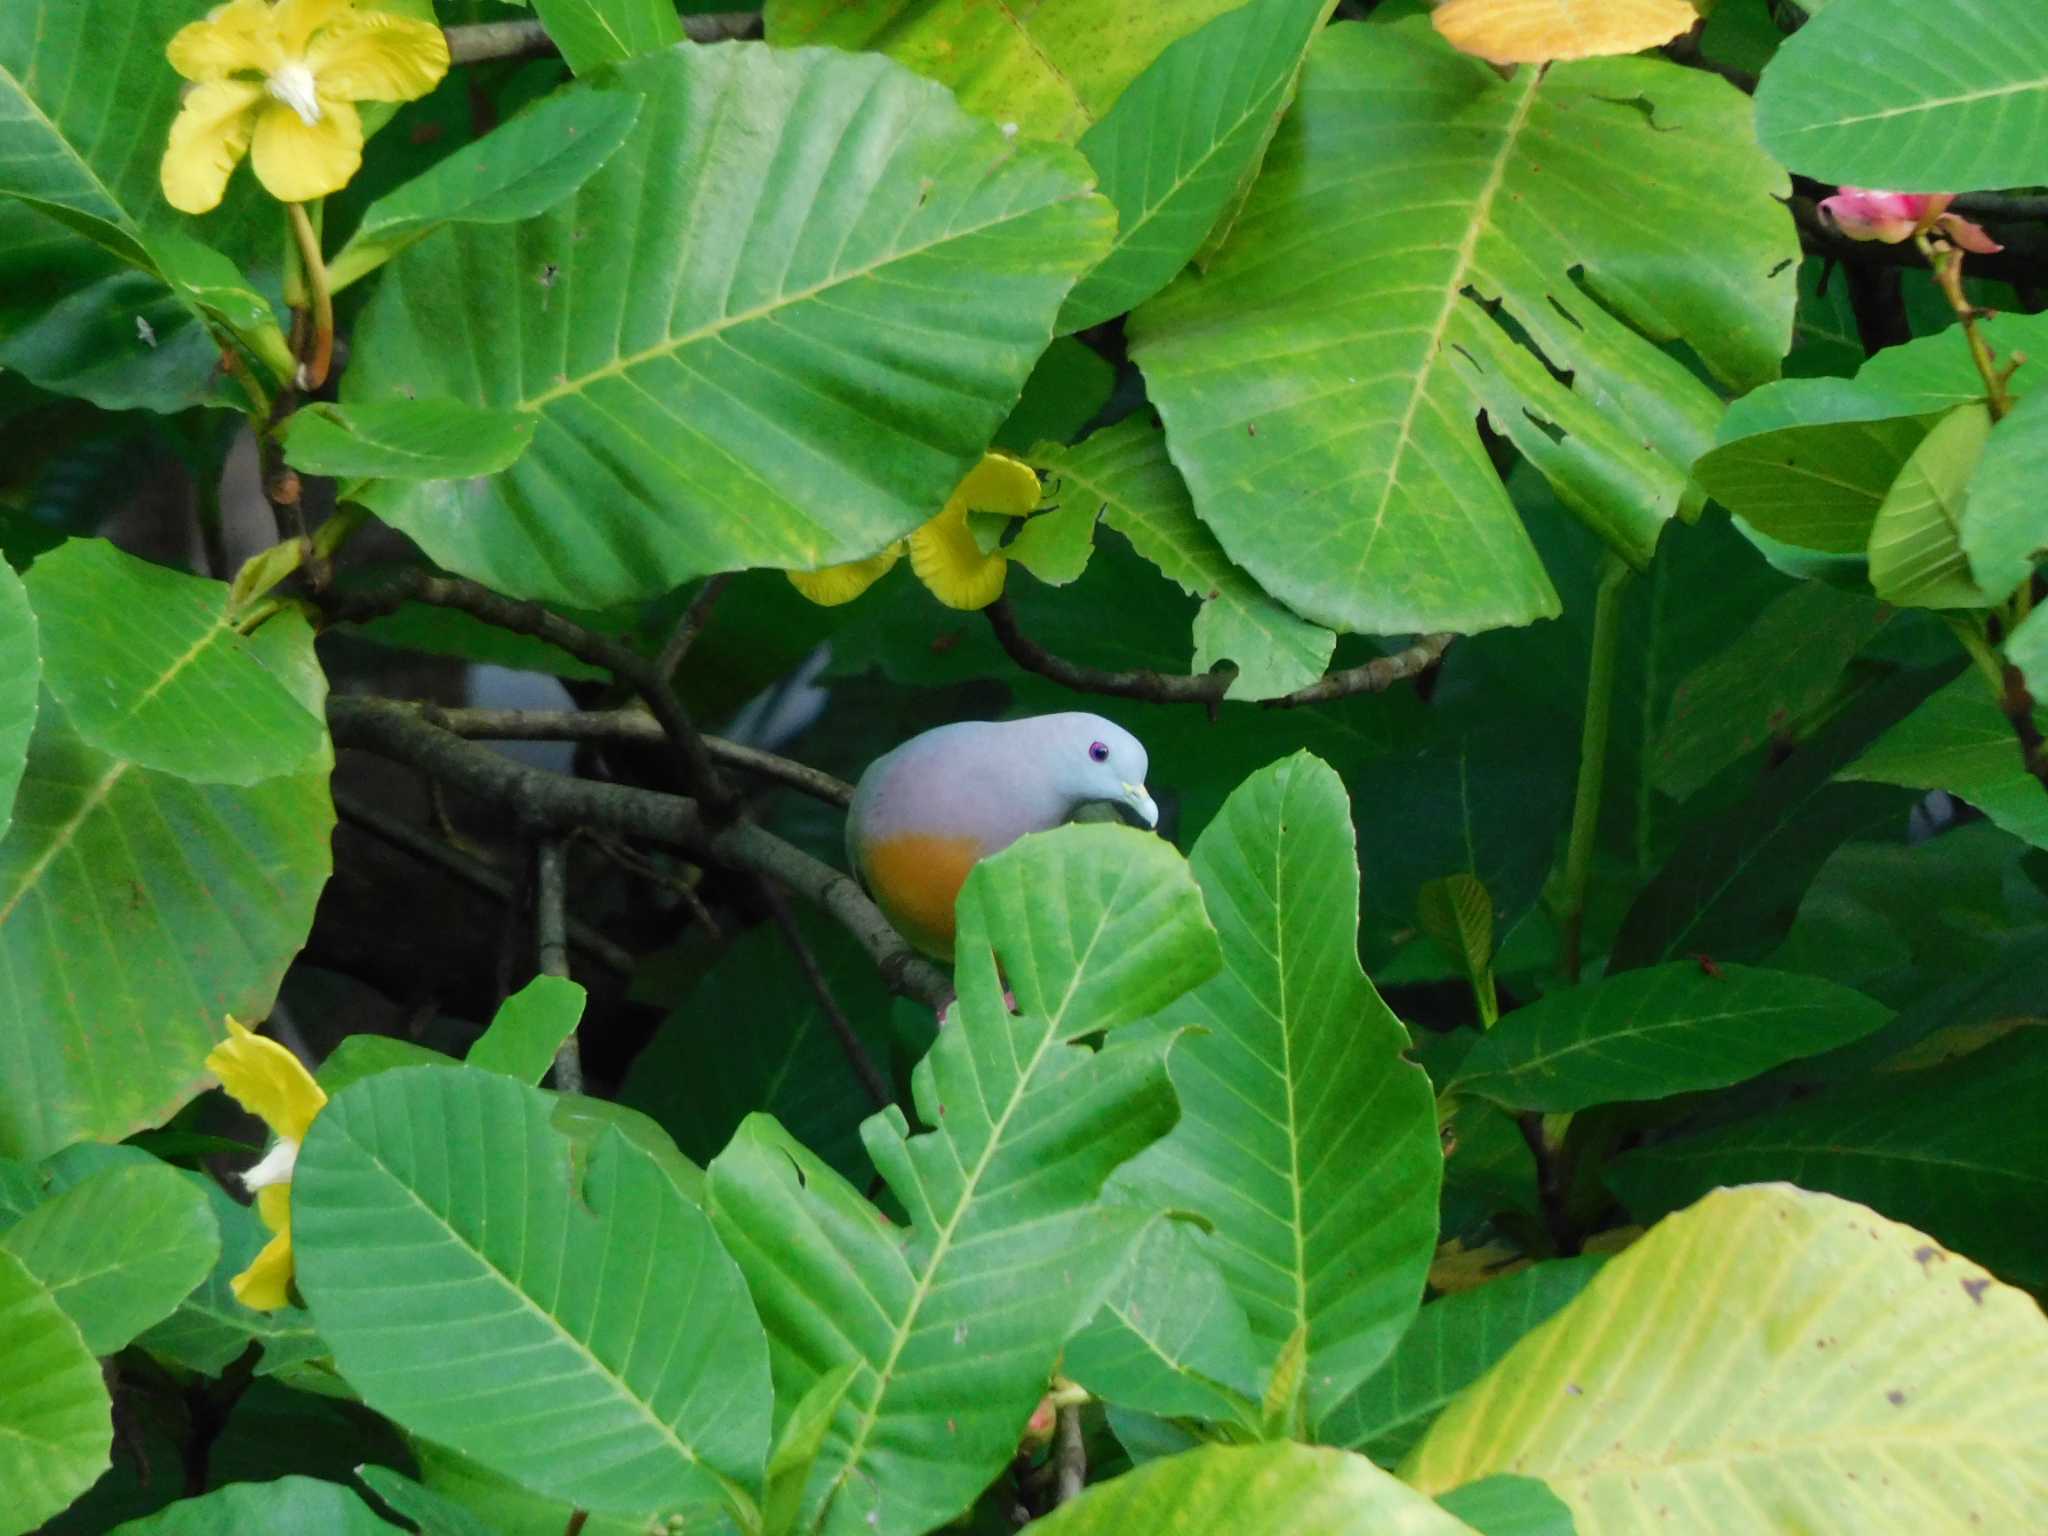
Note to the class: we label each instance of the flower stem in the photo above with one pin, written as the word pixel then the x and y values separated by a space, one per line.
pixel 1578 862
pixel 1948 273
pixel 313 369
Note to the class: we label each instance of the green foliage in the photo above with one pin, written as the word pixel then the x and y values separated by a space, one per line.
pixel 1603 805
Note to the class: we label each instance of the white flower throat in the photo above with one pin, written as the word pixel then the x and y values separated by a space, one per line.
pixel 294 86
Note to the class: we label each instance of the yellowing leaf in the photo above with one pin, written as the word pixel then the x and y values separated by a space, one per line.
pixel 1770 1360
pixel 1538 31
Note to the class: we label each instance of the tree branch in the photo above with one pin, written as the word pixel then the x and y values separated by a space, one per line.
pixel 1374 676
pixel 865 1071
pixel 633 725
pixel 551 802
pixel 628 666
pixel 690 626
pixel 529 39
pixel 551 944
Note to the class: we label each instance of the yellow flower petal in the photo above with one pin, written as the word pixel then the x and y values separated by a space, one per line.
pixel 274 1205
pixel 947 560
pixel 297 20
pixel 375 56
pixel 237 36
pixel 266 1283
pixel 268 1080
pixel 298 161
pixel 836 584
pixel 998 483
pixel 208 139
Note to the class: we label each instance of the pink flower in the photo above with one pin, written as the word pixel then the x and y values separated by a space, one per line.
pixel 1862 213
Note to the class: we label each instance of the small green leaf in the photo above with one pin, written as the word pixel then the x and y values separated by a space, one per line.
pixel 2027 648
pixel 1457 911
pixel 56 1420
pixel 797 1446
pixel 290 1504
pixel 517 171
pixel 1282 1413
pixel 1184 141
pixel 1916 549
pixel 1505 1505
pixel 119 1251
pixel 595 32
pixel 1818 486
pixel 1649 1034
pixel 1960 741
pixel 1897 93
pixel 405 440
pixel 19 686
pixel 1260 1490
pixel 1454 1341
pixel 529 1028
pixel 150 667
pixel 434 1513
pixel 2005 520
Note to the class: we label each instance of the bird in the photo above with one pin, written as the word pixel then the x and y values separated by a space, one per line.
pixel 924 814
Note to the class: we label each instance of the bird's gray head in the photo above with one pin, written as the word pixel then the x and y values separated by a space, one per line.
pixel 1094 759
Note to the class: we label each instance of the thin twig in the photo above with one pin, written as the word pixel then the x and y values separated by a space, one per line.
pixel 471 872
pixel 690 626
pixel 551 945
pixel 628 666
pixel 857 1057
pixel 636 725
pixel 550 801
pixel 1947 262
pixel 1374 676
pixel 530 40
pixel 1070 1455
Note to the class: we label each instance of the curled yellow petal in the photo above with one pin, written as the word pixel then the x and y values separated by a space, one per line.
pixel 267 1080
pixel 266 1283
pixel 208 139
pixel 234 38
pixel 298 161
pixel 836 584
pixel 297 20
pixel 998 483
pixel 947 560
pixel 375 56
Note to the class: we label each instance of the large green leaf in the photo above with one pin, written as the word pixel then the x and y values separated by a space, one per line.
pixel 1306 1140
pixel 150 667
pixel 1770 1360
pixel 956 1320
pixel 18 686
pixel 514 172
pixel 1184 141
pixel 289 1504
pixel 1506 1505
pixel 2005 522
pixel 56 1420
pixel 120 1250
pixel 1960 741
pixel 211 1327
pixel 1418 219
pixel 1817 485
pixel 1899 93
pixel 1454 1341
pixel 864 279
pixel 1653 1033
pixel 1959 1149
pixel 595 32
pixel 1124 470
pixel 569 1322
pixel 700 1077
pixel 529 1028
pixel 1051 69
pixel 137 910
pixel 1916 547
pixel 1265 1490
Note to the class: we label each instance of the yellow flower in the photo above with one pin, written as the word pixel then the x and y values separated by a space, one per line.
pixel 943 552
pixel 279 83
pixel 270 1083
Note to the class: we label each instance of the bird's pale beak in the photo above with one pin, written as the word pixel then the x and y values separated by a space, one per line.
pixel 1140 801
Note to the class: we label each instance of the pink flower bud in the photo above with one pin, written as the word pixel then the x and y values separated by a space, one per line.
pixel 1864 213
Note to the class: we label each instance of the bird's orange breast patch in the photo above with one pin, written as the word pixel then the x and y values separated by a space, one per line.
pixel 914 878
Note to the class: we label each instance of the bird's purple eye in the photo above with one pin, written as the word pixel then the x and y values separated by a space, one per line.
pixel 1098 752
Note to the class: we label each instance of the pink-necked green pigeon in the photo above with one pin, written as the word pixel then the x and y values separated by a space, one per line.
pixel 926 813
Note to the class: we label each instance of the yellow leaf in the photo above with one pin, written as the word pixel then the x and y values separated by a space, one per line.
pixel 1539 31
